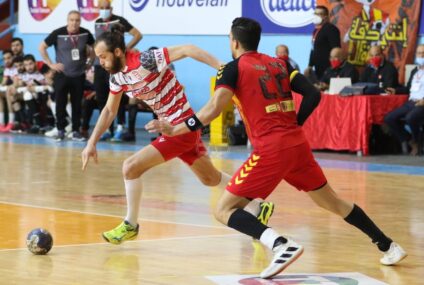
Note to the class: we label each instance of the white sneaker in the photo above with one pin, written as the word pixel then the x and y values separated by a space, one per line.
pixel 52 133
pixel 284 255
pixel 393 255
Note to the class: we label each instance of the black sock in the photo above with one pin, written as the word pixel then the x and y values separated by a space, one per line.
pixel 359 219
pixel 246 223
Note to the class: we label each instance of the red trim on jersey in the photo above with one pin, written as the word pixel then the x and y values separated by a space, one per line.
pixel 132 59
pixel 224 86
pixel 166 53
pixel 115 92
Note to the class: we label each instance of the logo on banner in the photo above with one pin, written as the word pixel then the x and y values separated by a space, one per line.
pixel 89 9
pixel 41 9
pixel 292 13
pixel 138 5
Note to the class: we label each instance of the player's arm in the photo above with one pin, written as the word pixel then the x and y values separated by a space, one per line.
pixel 311 95
pixel 194 52
pixel 202 118
pixel 106 117
pixel 136 38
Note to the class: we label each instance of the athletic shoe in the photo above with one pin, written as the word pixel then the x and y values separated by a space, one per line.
pixel 267 208
pixel 35 129
pixel 393 255
pixel 60 136
pixel 105 136
pixel 284 255
pixel 76 136
pixel 52 133
pixel 121 233
pixel 128 137
pixel 117 137
pixel 7 128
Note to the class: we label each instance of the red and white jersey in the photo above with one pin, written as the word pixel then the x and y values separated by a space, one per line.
pixel 10 72
pixel 30 78
pixel 148 77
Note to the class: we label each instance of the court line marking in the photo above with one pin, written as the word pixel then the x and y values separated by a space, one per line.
pixel 133 241
pixel 112 216
pixel 17 183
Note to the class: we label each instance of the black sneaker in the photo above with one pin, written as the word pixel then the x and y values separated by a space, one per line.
pixel 128 137
pixel 60 136
pixel 34 129
pixel 76 136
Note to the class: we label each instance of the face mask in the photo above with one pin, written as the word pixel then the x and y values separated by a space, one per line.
pixel 375 61
pixel 284 57
pixel 316 20
pixel 104 13
pixel 420 61
pixel 335 63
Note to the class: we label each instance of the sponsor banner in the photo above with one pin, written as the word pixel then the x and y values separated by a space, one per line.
pixel 392 24
pixel 182 17
pixel 349 278
pixel 43 16
pixel 281 16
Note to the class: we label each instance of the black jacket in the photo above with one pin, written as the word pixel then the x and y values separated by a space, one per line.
pixel 345 70
pixel 328 37
pixel 387 74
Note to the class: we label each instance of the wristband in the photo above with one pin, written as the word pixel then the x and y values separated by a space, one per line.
pixel 193 123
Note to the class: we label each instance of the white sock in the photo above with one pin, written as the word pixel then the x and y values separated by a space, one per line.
pixel 53 108
pixel 268 238
pixel 1 118
pixel 11 117
pixel 119 128
pixel 133 189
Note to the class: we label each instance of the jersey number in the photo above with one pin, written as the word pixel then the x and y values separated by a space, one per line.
pixel 267 78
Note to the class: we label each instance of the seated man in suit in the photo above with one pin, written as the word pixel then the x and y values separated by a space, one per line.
pixel 380 71
pixel 339 68
pixel 412 112
pixel 282 52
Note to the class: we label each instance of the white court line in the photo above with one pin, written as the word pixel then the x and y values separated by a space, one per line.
pixel 132 241
pixel 113 216
pixel 17 183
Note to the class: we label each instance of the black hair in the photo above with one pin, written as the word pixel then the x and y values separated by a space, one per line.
pixel 17 40
pixel 44 69
pixel 18 59
pixel 247 32
pixel 326 12
pixel 114 38
pixel 29 57
pixel 152 48
pixel 7 51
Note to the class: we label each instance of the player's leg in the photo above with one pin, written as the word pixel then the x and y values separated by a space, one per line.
pixel 132 170
pixel 257 178
pixel 326 198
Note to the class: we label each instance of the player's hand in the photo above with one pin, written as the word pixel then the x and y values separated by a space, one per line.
pixel 89 151
pixel 160 126
pixel 58 67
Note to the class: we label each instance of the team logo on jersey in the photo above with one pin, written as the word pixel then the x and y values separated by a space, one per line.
pixel 289 13
pixel 138 5
pixel 41 9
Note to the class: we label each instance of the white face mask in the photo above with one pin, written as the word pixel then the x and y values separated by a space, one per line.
pixel 104 13
pixel 420 61
pixel 316 20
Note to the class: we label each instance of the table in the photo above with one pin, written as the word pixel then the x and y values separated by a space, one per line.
pixel 344 123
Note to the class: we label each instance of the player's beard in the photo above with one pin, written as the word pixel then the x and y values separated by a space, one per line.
pixel 116 65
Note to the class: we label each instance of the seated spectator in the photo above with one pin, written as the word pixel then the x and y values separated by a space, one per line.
pixel 379 71
pixel 282 52
pixel 7 80
pixel 412 112
pixel 339 68
pixel 17 47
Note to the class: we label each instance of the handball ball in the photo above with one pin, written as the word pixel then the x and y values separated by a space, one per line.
pixel 39 241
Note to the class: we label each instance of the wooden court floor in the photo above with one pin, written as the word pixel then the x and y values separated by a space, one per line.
pixel 180 242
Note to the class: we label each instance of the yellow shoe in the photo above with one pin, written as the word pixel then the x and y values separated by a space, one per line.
pixel 121 233
pixel 267 208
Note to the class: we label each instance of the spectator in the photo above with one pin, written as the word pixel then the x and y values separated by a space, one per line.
pixel 8 74
pixel 17 47
pixel 282 52
pixel 101 78
pixel 325 37
pixel 340 67
pixel 412 112
pixel 74 54
pixel 380 71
